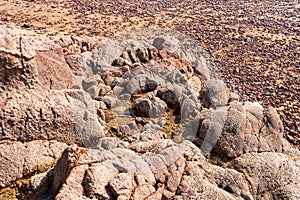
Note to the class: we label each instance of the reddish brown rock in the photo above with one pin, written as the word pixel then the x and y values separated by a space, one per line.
pixel 54 72
pixel 19 160
pixel 184 172
pixel 245 128
pixel 136 161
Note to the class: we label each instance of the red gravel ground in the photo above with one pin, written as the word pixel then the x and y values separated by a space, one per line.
pixel 254 44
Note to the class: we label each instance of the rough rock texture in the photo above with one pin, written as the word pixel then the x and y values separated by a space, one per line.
pixel 25 165
pixel 153 107
pixel 153 122
pixel 32 115
pixel 22 159
pixel 36 115
pixel 270 175
pixel 245 128
pixel 34 75
pixel 172 171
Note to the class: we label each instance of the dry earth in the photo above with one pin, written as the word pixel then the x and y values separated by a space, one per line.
pixel 254 44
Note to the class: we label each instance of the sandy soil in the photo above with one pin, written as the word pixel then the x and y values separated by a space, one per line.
pixel 254 44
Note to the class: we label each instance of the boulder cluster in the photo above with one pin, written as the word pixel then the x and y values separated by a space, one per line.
pixel 132 117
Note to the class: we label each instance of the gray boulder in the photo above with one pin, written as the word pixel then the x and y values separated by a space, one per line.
pixel 217 93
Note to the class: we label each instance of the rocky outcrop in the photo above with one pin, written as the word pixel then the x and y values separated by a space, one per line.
pixel 132 119
pixel 244 128
pixel 34 76
pixel 36 115
pixel 165 172
pixel 271 175
pixel 163 169
pixel 22 159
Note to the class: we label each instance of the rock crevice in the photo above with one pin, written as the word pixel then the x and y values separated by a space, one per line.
pixel 149 120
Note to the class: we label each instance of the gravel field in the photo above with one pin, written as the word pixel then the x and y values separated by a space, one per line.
pixel 255 45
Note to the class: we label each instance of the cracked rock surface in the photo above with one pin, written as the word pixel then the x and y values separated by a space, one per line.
pixel 142 118
pixel 169 170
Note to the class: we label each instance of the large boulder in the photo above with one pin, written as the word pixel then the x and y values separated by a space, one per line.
pixel 34 75
pixel 153 107
pixel 19 160
pixel 271 175
pixel 245 128
pixel 35 115
pixel 215 93
pixel 37 118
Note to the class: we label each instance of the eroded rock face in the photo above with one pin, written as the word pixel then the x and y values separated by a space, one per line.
pixel 153 107
pixel 28 115
pixel 34 76
pixel 272 175
pixel 36 115
pixel 169 97
pixel 172 171
pixel 154 120
pixel 246 128
pixel 20 160
pixel 169 171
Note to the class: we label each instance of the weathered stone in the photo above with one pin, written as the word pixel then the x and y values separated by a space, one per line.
pixel 148 85
pixel 218 94
pixel 168 43
pixel 243 129
pixel 233 97
pixel 71 189
pixel 169 97
pixel 270 174
pixel 142 54
pixel 246 155
pixel 104 90
pixel 118 90
pixel 96 180
pixel 181 170
pixel 202 68
pixel 53 71
pixel 111 102
pixel 195 85
pixel 122 185
pixel 126 57
pixel 188 109
pixel 37 115
pixel 143 192
pixel 12 162
pixel 133 57
pixel 118 62
pixel 153 107
pixel 19 160
pixel 64 166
